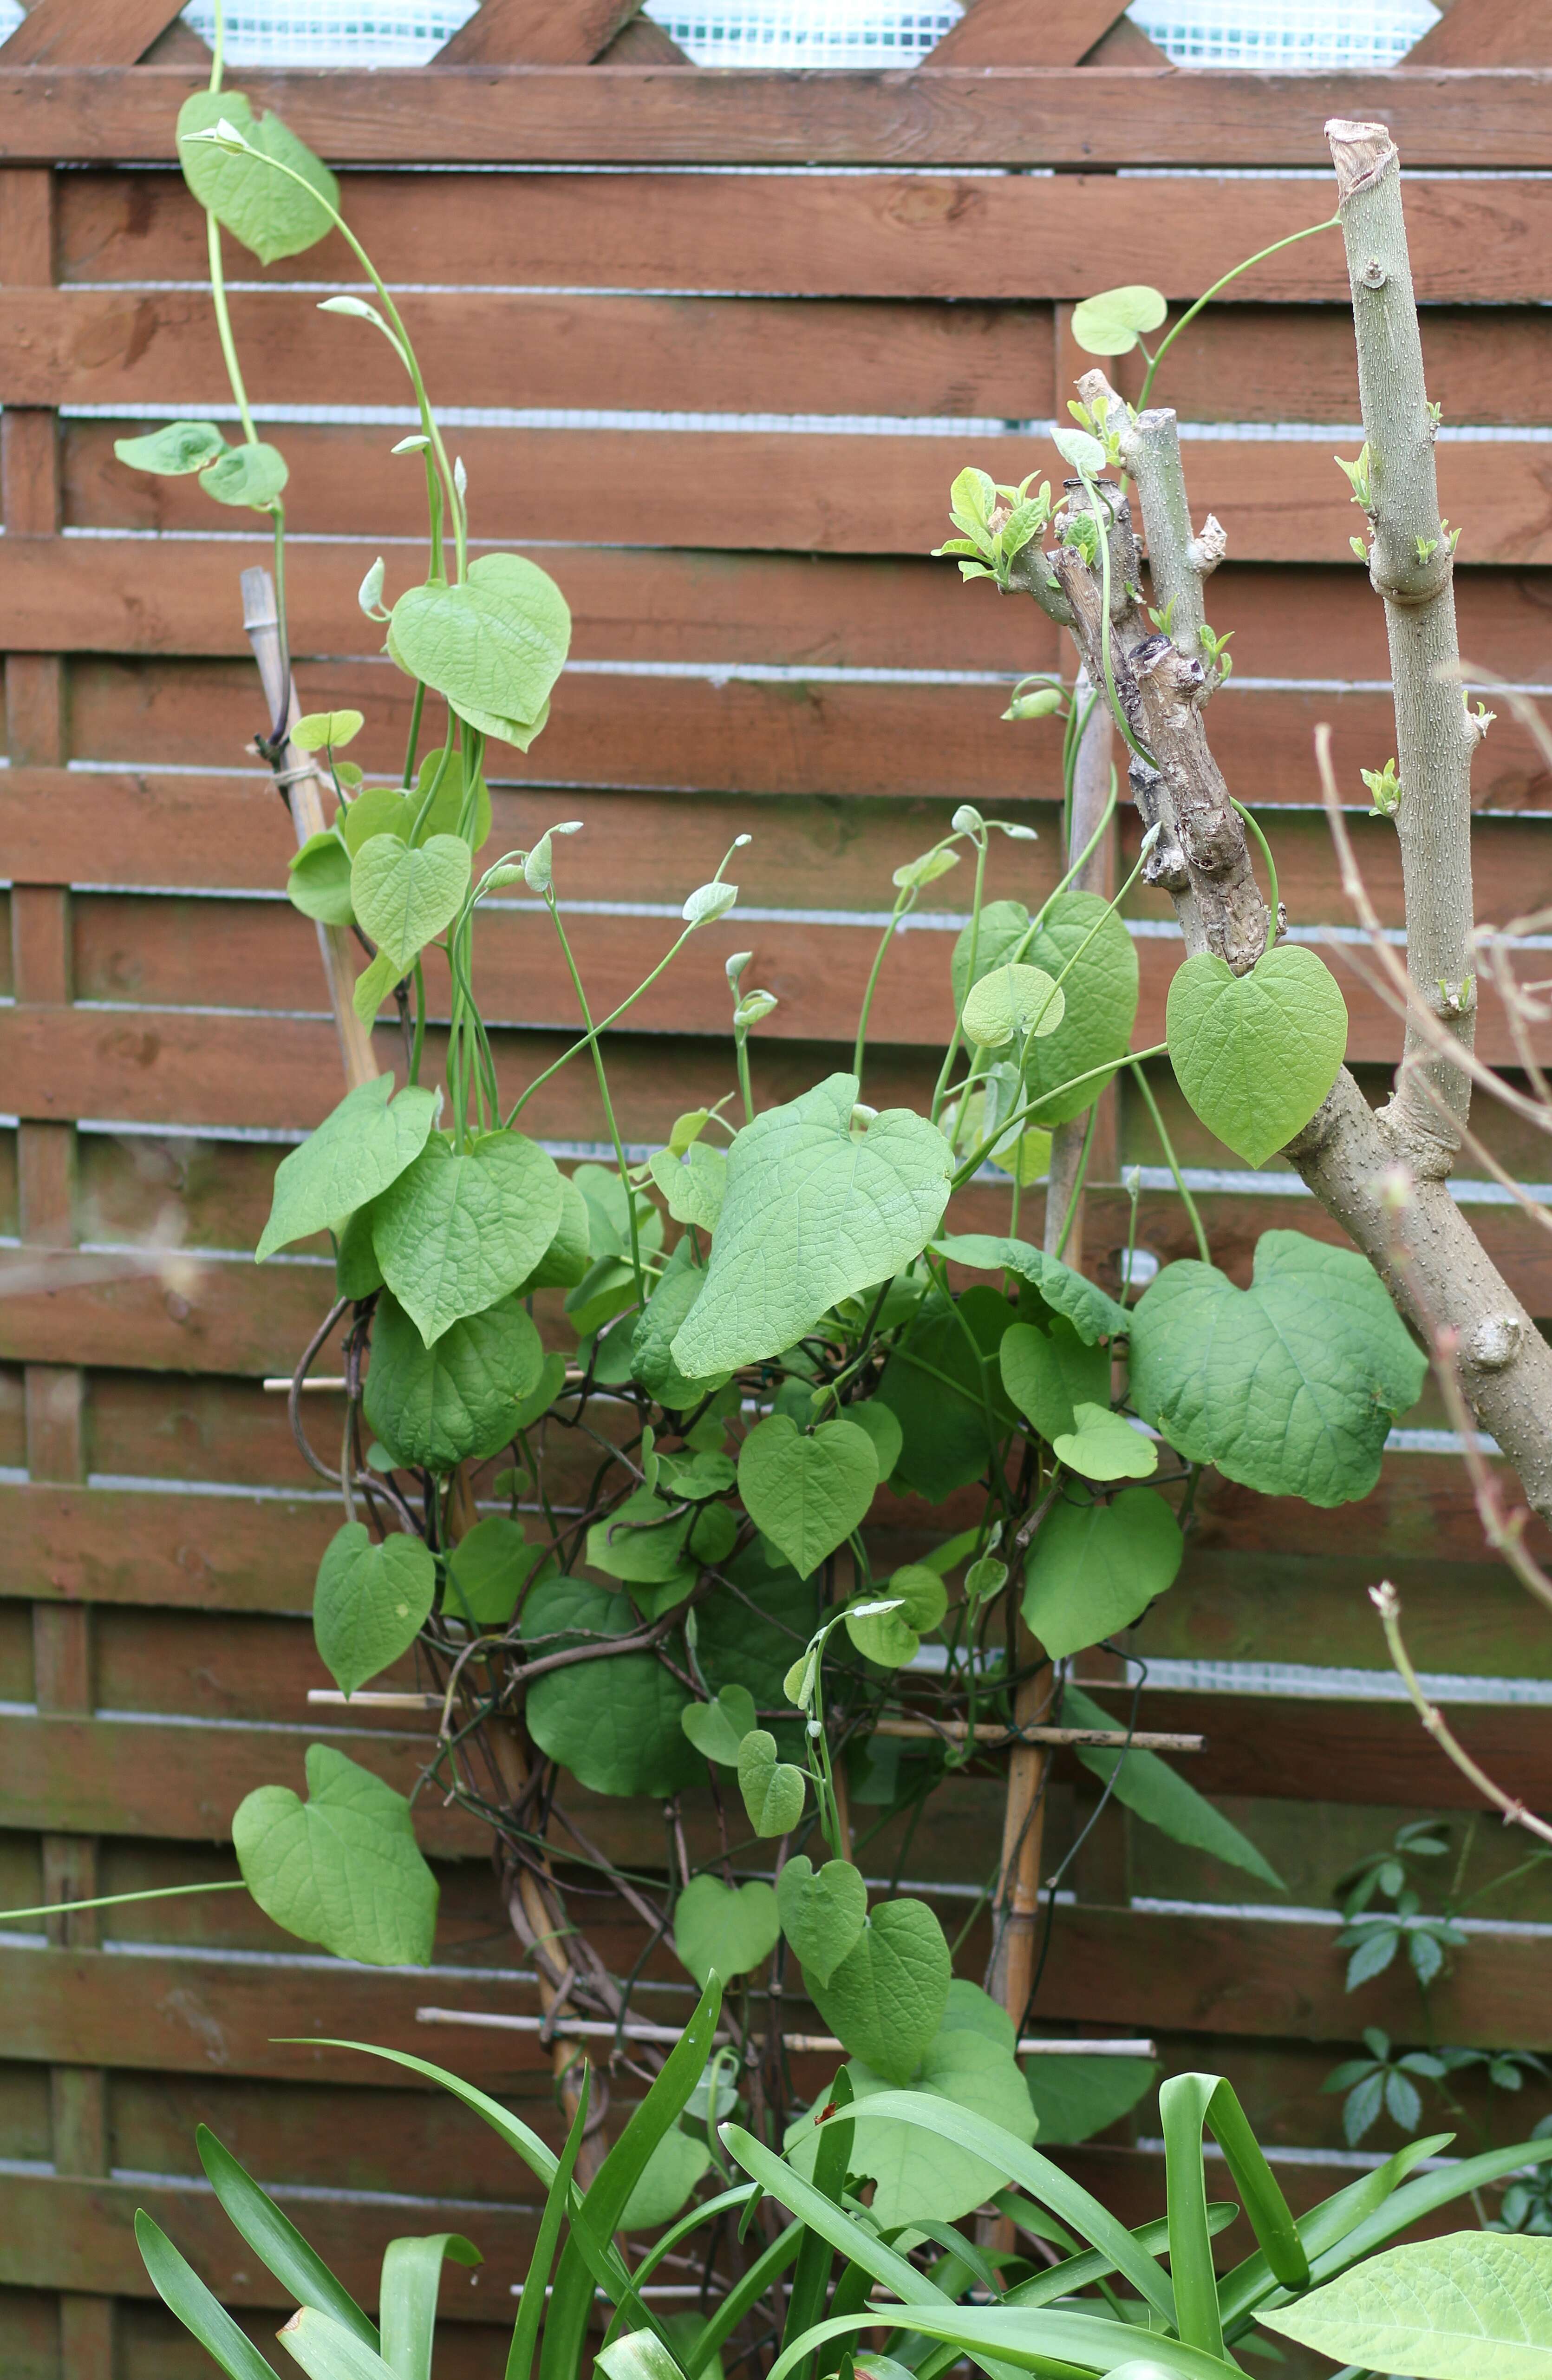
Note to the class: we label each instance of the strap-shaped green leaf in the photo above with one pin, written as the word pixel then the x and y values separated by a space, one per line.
pixel 745 2292
pixel 1187 2103
pixel 814 2257
pixel 326 2351
pixel 1034 2340
pixel 811 2207
pixel 530 2308
pixel 1324 2228
pixel 276 2242
pixel 184 2293
pixel 411 2276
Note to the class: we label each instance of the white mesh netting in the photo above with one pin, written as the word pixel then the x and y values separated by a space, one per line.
pixel 820 33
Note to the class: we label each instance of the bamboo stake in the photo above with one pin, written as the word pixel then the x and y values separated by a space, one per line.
pixel 635 2029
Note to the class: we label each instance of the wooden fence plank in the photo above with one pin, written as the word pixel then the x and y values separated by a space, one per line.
pixel 1083 115
pixel 830 492
pixel 109 32
pixel 1487 33
pixel 1010 33
pixel 536 32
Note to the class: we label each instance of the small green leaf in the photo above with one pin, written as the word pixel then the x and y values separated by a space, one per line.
pixel 343 1867
pixel 730 1929
pixel 373 986
pixel 404 895
pixel 923 1595
pixel 457 1401
pixel 693 1183
pixel 656 1329
pixel 489 1569
pixel 886 1998
pixel 172 453
pixel 823 1911
pixel 1095 1568
pixel 1475 2305
pixel 264 210
pixel 659 2191
pixel 943 1384
pixel 323 730
pixel 1290 1385
pixel 885 1637
pixel 454 1233
pixel 1109 324
pixel 369 1603
pixel 807 1494
pixel 380 810
pixel 1048 1372
pixel 318 883
pixel 775 1792
pixel 882 1425
pixel 1012 1003
pixel 1081 940
pixel 814 1212
pixel 1092 1313
pixel 358 1149
pixel 493 646
pixel 1103 1445
pixel 253 474
pixel 717 1729
pixel 1256 1054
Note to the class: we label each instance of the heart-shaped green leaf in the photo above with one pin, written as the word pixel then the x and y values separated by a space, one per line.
pixel 924 1596
pixel 657 2192
pixel 492 648
pixel 807 1494
pixel 1256 1053
pixel 254 474
pixel 1093 1568
pixel 378 810
pixel 457 1401
pixel 646 1542
pixel 369 1603
pixel 1047 1372
pixel 1083 942
pixel 885 1637
pixel 356 1152
pixel 404 894
pixel 693 1183
pixel 489 1569
pixel 886 1998
pixel 1290 1386
pixel 318 880
pixel 775 1792
pixel 1103 1445
pixel 823 1911
pixel 268 212
pixel 343 1867
pixel 882 1424
pixel 455 1234
pixel 658 1325
pixel 1474 2305
pixel 729 1928
pixel 1092 1315
pixel 1012 1003
pixel 1108 323
pixel 943 1384
pixel 717 1729
pixel 625 1739
pixel 813 1212
pixel 323 731
pixel 181 447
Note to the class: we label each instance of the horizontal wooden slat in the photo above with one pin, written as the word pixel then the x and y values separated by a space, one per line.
pixel 1280 499
pixel 106 1546
pixel 1205 1973
pixel 1006 116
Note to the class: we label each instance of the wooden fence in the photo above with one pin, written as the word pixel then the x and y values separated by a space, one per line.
pixel 666 302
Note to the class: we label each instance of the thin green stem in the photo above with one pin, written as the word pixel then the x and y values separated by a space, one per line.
pixel 1332 223
pixel 590 1037
pixel 223 330
pixel 1170 1160
pixel 904 905
pixel 417 707
pixel 554 908
pixel 1093 1074
pixel 940 1090
pixel 116 1900
pixel 1271 865
pixel 218 48
pixel 745 1085
pixel 418 1044
pixel 1072 1215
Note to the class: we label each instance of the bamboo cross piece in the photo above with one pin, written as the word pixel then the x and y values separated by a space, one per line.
pixel 637 2029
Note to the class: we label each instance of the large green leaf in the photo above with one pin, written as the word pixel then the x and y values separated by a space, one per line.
pixel 823 1911
pixel 203 2315
pixel 944 1388
pixel 265 209
pixel 1081 934
pixel 343 1867
pixel 1290 1385
pixel 814 1210
pixel 357 1151
pixel 492 648
pixel 1475 2305
pixel 656 1327
pixel 1092 1315
pixel 1047 1372
pixel 369 1603
pixel 276 2241
pixel 1095 1568
pixel 403 893
pixel 569 1254
pixel 1256 1053
pixel 455 1232
pixel 885 2000
pixel 727 1928
pixel 806 1493
pixel 614 1723
pixel 1075 2097
pixel 1161 1795
pixel 458 1401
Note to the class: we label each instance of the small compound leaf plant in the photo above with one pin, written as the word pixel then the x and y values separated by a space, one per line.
pixel 823 2264
pixel 615 1438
